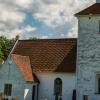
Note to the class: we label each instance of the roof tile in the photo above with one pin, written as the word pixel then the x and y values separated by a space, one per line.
pixel 23 63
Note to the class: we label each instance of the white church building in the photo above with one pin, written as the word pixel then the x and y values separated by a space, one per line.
pixel 56 69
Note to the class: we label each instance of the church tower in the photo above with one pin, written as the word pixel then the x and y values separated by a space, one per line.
pixel 88 53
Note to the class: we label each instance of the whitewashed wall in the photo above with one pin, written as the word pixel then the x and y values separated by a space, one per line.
pixel 19 85
pixel 46 87
pixel 88 65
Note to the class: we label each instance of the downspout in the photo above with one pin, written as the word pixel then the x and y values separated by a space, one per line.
pixel 33 92
pixel 77 67
pixel 37 91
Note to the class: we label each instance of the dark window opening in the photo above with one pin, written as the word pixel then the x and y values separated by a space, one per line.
pixel 7 89
pixel 33 94
pixel 58 87
pixel 99 26
pixel 99 85
pixel 74 95
pixel 85 97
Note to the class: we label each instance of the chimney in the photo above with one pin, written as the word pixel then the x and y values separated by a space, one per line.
pixel 97 1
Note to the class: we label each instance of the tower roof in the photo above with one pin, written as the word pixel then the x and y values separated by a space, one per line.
pixel 93 9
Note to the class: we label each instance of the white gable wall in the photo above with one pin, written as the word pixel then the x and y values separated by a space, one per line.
pixel 46 86
pixel 88 65
pixel 16 79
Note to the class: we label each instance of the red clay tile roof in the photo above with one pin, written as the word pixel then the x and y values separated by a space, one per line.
pixel 49 55
pixel 23 63
pixel 94 9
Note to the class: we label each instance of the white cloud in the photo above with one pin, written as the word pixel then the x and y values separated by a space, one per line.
pixel 9 14
pixel 72 33
pixel 52 14
pixel 25 30
pixel 30 29
pixel 44 37
pixel 23 3
pixel 57 12
pixel 12 15
pixel 63 35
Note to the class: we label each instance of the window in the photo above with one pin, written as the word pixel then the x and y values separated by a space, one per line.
pixel 85 97
pixel 7 89
pixel 33 93
pixel 99 85
pixel 74 95
pixel 58 87
pixel 99 26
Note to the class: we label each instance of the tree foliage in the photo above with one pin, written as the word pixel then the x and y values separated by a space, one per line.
pixel 6 46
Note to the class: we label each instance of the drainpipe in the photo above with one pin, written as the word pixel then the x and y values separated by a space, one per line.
pixel 33 92
pixel 37 91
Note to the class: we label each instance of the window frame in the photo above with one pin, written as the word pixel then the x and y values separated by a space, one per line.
pixel 7 89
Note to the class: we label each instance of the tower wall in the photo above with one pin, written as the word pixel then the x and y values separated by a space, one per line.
pixel 88 61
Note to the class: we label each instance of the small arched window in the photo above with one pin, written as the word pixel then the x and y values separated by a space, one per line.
pixel 58 87
pixel 98 83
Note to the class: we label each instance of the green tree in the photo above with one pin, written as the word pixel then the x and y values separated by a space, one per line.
pixel 6 46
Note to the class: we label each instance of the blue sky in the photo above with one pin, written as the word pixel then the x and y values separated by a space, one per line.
pixel 40 18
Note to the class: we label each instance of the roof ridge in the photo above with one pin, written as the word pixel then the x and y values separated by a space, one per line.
pixel 49 39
